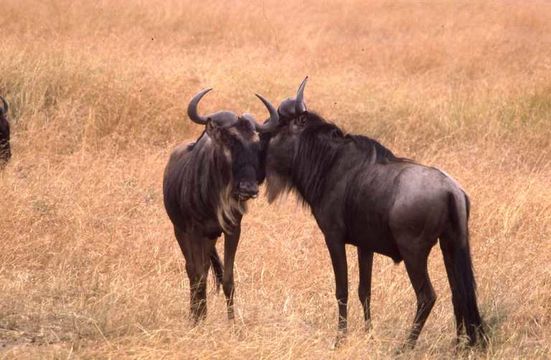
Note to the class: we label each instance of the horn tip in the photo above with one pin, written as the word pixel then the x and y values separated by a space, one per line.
pixel 205 90
pixel 262 98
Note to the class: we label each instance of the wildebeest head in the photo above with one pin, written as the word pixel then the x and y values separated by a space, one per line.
pixel 237 139
pixel 289 142
pixel 5 150
pixel 293 116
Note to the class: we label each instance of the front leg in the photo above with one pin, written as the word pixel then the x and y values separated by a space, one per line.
pixel 231 241
pixel 338 258
pixel 365 262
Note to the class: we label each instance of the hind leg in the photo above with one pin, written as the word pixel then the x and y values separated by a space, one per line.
pixel 217 268
pixel 416 266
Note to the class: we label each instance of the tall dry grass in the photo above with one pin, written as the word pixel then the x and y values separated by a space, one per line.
pixel 88 263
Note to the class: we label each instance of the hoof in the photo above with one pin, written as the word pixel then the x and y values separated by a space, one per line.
pixel 456 345
pixel 407 346
pixel 231 315
pixel 367 326
pixel 339 341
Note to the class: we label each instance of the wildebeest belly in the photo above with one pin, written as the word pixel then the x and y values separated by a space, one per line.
pixel 366 217
pixel 210 229
pixel 374 234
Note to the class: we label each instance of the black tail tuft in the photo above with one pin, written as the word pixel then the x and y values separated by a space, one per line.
pixel 463 275
pixel 466 291
pixel 217 269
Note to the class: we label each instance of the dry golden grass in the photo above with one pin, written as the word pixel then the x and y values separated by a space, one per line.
pixel 88 263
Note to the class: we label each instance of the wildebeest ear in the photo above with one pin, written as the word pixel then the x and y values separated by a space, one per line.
pixel 336 134
pixel 212 130
pixel 301 120
pixel 210 126
pixel 297 124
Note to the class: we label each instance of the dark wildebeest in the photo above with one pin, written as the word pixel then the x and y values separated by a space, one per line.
pixel 5 150
pixel 206 185
pixel 361 194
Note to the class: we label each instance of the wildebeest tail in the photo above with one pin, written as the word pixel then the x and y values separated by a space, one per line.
pixel 217 268
pixel 463 274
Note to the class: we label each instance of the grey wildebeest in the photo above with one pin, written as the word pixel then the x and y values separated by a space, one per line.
pixel 360 193
pixel 206 184
pixel 5 150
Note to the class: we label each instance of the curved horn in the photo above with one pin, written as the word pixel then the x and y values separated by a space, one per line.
pixel 192 108
pixel 5 109
pixel 273 121
pixel 300 106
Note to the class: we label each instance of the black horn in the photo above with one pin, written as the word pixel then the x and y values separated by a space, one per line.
pixel 5 107
pixel 272 122
pixel 300 106
pixel 192 108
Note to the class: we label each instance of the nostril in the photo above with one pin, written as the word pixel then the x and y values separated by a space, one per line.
pixel 248 188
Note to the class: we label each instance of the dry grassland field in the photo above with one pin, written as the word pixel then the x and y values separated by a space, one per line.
pixel 89 266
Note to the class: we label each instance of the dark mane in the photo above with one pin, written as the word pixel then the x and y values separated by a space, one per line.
pixel 382 154
pixel 318 125
pixel 206 172
pixel 321 145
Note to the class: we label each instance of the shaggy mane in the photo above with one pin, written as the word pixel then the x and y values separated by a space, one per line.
pixel 321 145
pixel 207 174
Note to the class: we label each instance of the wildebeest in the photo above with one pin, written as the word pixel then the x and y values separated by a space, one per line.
pixel 5 150
pixel 360 193
pixel 206 184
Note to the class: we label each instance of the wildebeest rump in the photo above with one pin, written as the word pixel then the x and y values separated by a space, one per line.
pixel 206 184
pixel 5 149
pixel 360 193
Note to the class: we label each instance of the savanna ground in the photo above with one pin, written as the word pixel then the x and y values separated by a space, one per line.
pixel 89 266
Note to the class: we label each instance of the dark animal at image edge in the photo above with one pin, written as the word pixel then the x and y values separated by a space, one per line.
pixel 361 194
pixel 206 184
pixel 5 149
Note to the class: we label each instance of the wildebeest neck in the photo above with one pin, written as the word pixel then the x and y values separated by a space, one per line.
pixel 324 151
pixel 207 174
